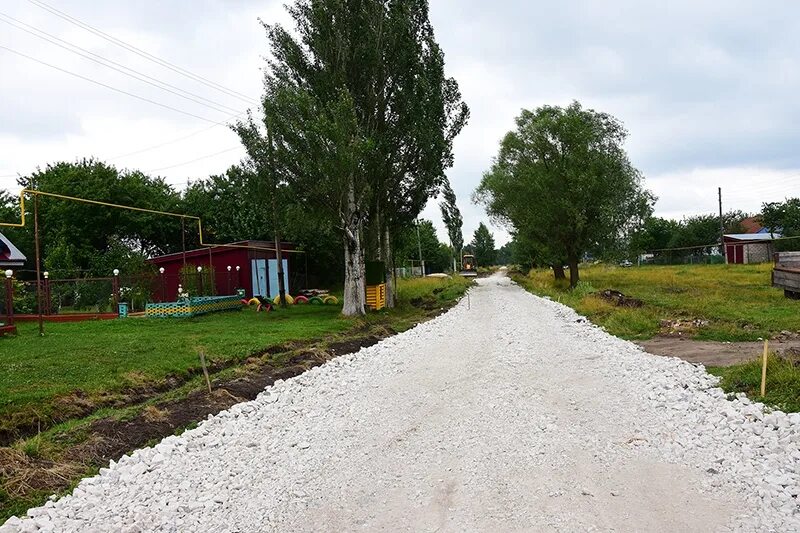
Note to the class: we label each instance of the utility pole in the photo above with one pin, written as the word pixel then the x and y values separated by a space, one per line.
pixel 38 264
pixel 419 247
pixel 276 220
pixel 721 226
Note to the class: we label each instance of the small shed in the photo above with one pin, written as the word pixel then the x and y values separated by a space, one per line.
pixel 747 248
pixel 253 267
pixel 10 256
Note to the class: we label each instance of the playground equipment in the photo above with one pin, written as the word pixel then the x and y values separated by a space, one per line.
pixel 193 306
pixel 376 284
pixel 277 300
pixel 261 304
pixel 301 299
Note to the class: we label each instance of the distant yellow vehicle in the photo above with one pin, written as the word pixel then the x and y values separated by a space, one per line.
pixel 468 267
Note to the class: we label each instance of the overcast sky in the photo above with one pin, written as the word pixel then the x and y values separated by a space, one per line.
pixel 709 91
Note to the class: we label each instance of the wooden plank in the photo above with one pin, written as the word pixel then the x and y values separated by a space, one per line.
pixel 788 259
pixel 788 284
pixel 781 268
pixel 784 278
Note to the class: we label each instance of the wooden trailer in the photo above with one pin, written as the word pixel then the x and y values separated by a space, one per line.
pixel 786 274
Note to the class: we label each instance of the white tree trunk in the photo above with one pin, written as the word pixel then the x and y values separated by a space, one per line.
pixel 386 254
pixel 354 288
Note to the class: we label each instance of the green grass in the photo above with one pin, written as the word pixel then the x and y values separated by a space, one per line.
pixel 737 300
pixel 103 358
pixel 107 356
pixel 432 289
pixel 783 382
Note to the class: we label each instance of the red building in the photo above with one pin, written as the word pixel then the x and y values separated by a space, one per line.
pixel 747 248
pixel 249 265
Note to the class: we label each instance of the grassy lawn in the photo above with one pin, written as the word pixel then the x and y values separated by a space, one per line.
pixel 737 301
pixel 103 356
pixel 95 360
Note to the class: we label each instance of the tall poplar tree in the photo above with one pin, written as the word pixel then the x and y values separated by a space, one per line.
pixel 363 120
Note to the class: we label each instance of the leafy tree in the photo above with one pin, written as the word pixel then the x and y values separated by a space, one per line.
pixel 483 246
pixel 412 112
pixel 783 218
pixel 409 244
pixel 563 179
pixel 451 216
pixel 362 119
pixel 654 234
pixel 231 207
pixel 505 254
pixel 76 238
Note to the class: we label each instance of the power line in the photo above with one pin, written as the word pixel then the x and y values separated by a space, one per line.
pixel 142 53
pixel 193 160
pixel 173 141
pixel 135 74
pixel 109 86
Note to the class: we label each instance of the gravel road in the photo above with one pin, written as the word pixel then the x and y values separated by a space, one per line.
pixel 509 414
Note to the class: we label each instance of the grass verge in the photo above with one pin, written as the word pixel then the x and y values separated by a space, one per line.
pixel 782 387
pixel 115 386
pixel 705 302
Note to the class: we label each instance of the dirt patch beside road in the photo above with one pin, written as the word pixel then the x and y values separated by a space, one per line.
pixel 711 353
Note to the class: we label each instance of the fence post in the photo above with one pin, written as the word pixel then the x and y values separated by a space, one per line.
pixel 229 280
pixel 200 281
pixel 9 298
pixel 238 277
pixel 163 286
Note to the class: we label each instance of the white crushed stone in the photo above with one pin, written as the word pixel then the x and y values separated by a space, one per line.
pixel 515 414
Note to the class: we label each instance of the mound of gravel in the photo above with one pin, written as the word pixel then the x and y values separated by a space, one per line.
pixel 512 414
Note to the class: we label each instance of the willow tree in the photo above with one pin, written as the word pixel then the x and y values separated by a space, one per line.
pixel 563 179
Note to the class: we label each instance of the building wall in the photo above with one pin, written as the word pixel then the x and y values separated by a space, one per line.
pixel 738 252
pixel 220 259
pixel 760 252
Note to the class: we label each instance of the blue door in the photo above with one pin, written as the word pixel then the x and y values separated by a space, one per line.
pixel 258 269
pixel 273 276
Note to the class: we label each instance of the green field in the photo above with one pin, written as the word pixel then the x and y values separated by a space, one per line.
pixel 733 302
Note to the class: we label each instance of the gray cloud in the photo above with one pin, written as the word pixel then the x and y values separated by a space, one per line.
pixel 708 90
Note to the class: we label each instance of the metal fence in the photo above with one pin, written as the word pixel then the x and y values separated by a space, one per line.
pixel 685 260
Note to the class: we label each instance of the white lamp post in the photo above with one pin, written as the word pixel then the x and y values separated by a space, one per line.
pixel 9 273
